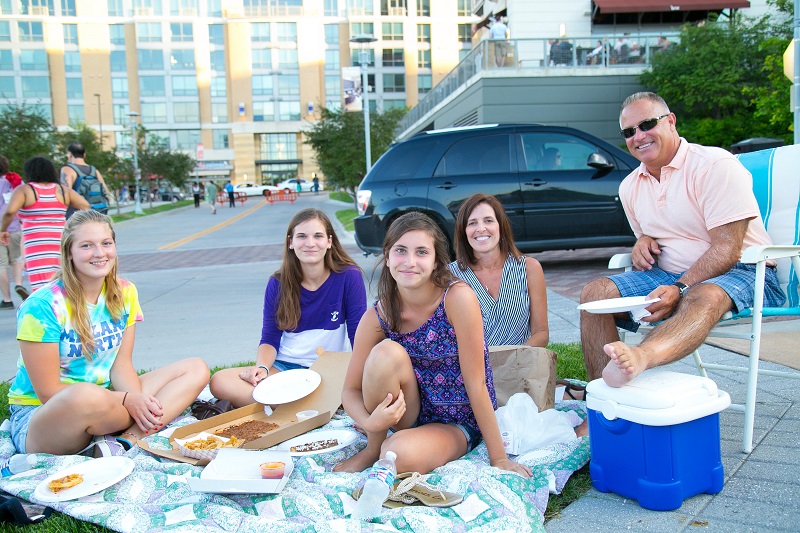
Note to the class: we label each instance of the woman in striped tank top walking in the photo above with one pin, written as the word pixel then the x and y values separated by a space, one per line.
pixel 41 206
pixel 510 286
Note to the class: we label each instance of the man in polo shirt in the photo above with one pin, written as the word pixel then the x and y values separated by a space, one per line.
pixel 693 212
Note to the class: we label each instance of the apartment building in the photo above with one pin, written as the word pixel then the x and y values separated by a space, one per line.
pixel 234 82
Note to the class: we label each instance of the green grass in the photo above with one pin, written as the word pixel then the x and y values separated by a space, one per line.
pixel 341 196
pixel 346 217
pixel 570 365
pixel 119 217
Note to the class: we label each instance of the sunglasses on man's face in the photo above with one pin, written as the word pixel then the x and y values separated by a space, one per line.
pixel 645 125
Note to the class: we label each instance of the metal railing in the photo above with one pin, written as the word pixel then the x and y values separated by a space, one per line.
pixel 555 57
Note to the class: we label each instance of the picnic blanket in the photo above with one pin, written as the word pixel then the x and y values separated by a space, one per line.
pixel 156 496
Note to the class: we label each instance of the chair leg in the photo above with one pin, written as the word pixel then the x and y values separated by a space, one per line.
pixel 699 362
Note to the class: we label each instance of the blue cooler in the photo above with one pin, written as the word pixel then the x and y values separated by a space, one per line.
pixel 656 440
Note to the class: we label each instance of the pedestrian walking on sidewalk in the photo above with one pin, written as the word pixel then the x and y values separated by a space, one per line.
pixel 196 194
pixel 211 196
pixel 231 198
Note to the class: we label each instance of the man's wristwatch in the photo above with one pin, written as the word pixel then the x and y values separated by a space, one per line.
pixel 682 288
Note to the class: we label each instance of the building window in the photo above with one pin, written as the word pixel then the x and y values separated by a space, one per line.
pixel 424 83
pixel 184 86
pixel 7 89
pixel 262 85
pixel 259 32
pixel 219 112
pixel 5 31
pixel 424 58
pixel 75 113
pixel 289 84
pixel 263 111
pixel 74 88
pixel 332 34
pixel 262 58
pixel 355 57
pixel 333 104
pixel 148 32
pixel 184 8
pixel 393 104
pixel 289 110
pixel 118 61
pixel 147 7
pixel 117 32
pixel 6 60
pixel 214 8
pixel 393 8
pixel 361 28
pixel 182 59
pixel 393 57
pixel 154 113
pixel 464 8
pixel 180 32
pixel 30 32
pixel 278 146
pixel 152 86
pixel 216 34
pixel 394 83
pixel 121 112
pixel 423 8
pixel 218 60
pixel 465 33
pixel 423 33
pixel 332 59
pixel 333 85
pixel 36 7
pixel 72 61
pixel 218 86
pixel 150 59
pixel 119 87
pixel 219 139
pixel 70 34
pixel 68 8
pixel 186 112
pixel 5 7
pixel 36 86
pixel 287 32
pixel 187 139
pixel 33 59
pixel 115 8
pixel 287 58
pixel 331 8
pixel 392 31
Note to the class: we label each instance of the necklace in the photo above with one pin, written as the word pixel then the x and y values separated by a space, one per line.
pixel 490 271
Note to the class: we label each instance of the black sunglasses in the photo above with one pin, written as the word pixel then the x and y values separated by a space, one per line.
pixel 645 125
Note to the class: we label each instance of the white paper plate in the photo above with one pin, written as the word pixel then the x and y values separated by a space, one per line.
pixel 344 436
pixel 98 474
pixel 618 305
pixel 287 386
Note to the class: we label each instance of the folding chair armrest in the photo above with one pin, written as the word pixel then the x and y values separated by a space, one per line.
pixel 756 254
pixel 621 261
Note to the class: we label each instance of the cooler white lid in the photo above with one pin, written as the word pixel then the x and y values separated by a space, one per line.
pixel 658 398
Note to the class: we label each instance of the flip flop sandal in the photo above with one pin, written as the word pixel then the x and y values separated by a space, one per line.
pixel 570 387
pixel 410 489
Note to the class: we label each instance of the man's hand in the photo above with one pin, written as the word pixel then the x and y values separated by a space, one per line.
pixel 670 296
pixel 644 253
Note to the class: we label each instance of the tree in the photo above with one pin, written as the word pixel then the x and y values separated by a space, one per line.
pixel 158 160
pixel 24 133
pixel 725 81
pixel 338 143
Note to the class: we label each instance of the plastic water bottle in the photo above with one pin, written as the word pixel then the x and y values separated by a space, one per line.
pixel 17 463
pixel 376 489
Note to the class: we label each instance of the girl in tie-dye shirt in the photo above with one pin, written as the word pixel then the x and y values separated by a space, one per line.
pixel 75 381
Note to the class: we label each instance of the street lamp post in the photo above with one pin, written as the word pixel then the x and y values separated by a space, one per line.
pixel 363 41
pixel 99 118
pixel 136 172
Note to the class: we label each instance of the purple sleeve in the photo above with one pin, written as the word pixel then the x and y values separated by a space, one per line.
pixel 270 334
pixel 355 301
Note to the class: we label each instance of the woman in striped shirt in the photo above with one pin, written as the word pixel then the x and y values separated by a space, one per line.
pixel 510 286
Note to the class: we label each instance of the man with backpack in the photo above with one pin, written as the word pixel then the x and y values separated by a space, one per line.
pixel 84 179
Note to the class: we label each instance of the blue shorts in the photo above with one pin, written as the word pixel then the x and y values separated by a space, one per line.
pixel 283 366
pixel 20 420
pixel 738 284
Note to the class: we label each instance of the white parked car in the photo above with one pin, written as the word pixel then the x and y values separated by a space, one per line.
pixel 252 189
pixel 291 185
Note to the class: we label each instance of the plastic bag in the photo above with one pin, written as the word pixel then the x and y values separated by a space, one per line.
pixel 524 428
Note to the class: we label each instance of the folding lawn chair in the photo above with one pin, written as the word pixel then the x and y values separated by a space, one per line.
pixel 776 185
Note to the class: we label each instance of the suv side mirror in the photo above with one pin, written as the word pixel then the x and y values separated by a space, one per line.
pixel 599 162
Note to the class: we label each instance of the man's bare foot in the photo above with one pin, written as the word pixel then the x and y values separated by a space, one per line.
pixel 626 363
pixel 583 429
pixel 359 462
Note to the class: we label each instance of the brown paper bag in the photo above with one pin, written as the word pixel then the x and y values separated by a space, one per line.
pixel 522 368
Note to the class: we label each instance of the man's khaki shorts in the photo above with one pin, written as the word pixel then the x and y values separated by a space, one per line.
pixel 12 253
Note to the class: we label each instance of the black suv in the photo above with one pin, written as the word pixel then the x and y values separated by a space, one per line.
pixel 559 186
